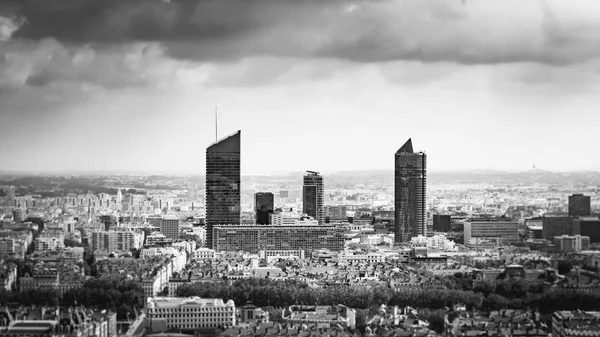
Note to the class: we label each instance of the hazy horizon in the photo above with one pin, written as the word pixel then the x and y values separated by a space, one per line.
pixel 131 86
pixel 273 173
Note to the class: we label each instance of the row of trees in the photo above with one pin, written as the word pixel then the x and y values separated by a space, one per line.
pixel 278 294
pixel 122 298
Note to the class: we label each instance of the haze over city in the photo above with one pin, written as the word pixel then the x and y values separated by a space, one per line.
pixel 326 85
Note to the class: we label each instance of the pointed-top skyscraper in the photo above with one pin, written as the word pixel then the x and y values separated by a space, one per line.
pixel 223 184
pixel 410 193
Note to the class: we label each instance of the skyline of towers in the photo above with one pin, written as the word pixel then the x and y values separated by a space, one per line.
pixel 409 193
pixel 223 182
pixel 313 196
pixel 264 204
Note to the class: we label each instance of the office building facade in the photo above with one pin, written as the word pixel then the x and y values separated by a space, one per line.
pixel 256 238
pixel 556 225
pixel 579 205
pixel 170 227
pixel 442 223
pixel 223 184
pixel 587 226
pixel 264 203
pixel 313 196
pixel 478 232
pixel 409 193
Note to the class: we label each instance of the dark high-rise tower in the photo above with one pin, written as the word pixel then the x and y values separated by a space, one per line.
pixel 312 196
pixel 222 184
pixel 410 183
pixel 579 205
pixel 263 206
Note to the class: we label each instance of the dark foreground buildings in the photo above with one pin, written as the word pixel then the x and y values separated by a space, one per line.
pixel 313 196
pixel 222 184
pixel 410 184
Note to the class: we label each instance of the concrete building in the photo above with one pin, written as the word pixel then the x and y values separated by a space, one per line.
pixel 410 193
pixel 572 243
pixel 442 223
pixel 263 207
pixel 253 238
pixel 494 231
pixel 117 239
pixel 50 240
pixel 579 205
pixel 170 227
pixel 587 226
pixel 556 224
pixel 165 313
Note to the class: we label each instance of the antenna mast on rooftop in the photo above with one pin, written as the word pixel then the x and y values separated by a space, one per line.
pixel 216 126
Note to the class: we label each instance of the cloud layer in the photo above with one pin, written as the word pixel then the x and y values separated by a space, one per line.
pixel 115 43
pixel 478 32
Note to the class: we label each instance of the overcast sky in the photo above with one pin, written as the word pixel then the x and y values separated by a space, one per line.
pixel 325 85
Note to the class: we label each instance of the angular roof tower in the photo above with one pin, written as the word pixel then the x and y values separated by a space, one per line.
pixel 406 148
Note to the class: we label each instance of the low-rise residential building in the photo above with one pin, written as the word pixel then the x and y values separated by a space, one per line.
pixel 50 240
pixel 52 321
pixel 203 253
pixel 321 316
pixel 575 323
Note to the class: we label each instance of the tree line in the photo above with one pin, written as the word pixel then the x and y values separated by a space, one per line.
pixel 512 294
pixel 121 297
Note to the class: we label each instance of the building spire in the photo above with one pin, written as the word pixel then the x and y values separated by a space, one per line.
pixel 407 147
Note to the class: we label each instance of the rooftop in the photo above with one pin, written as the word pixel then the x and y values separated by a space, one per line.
pixel 176 302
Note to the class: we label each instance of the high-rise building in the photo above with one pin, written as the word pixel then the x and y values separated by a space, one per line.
pixel 312 196
pixel 579 205
pixel 410 193
pixel 263 206
pixel 223 184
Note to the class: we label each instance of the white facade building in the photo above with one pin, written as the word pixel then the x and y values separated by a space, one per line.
pixel 437 241
pixel 203 253
pixel 165 313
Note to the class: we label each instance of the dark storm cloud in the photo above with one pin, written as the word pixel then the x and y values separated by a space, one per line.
pixel 355 30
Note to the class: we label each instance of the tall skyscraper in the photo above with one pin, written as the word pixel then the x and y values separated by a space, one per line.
pixel 410 192
pixel 579 205
pixel 312 196
pixel 222 184
pixel 263 206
